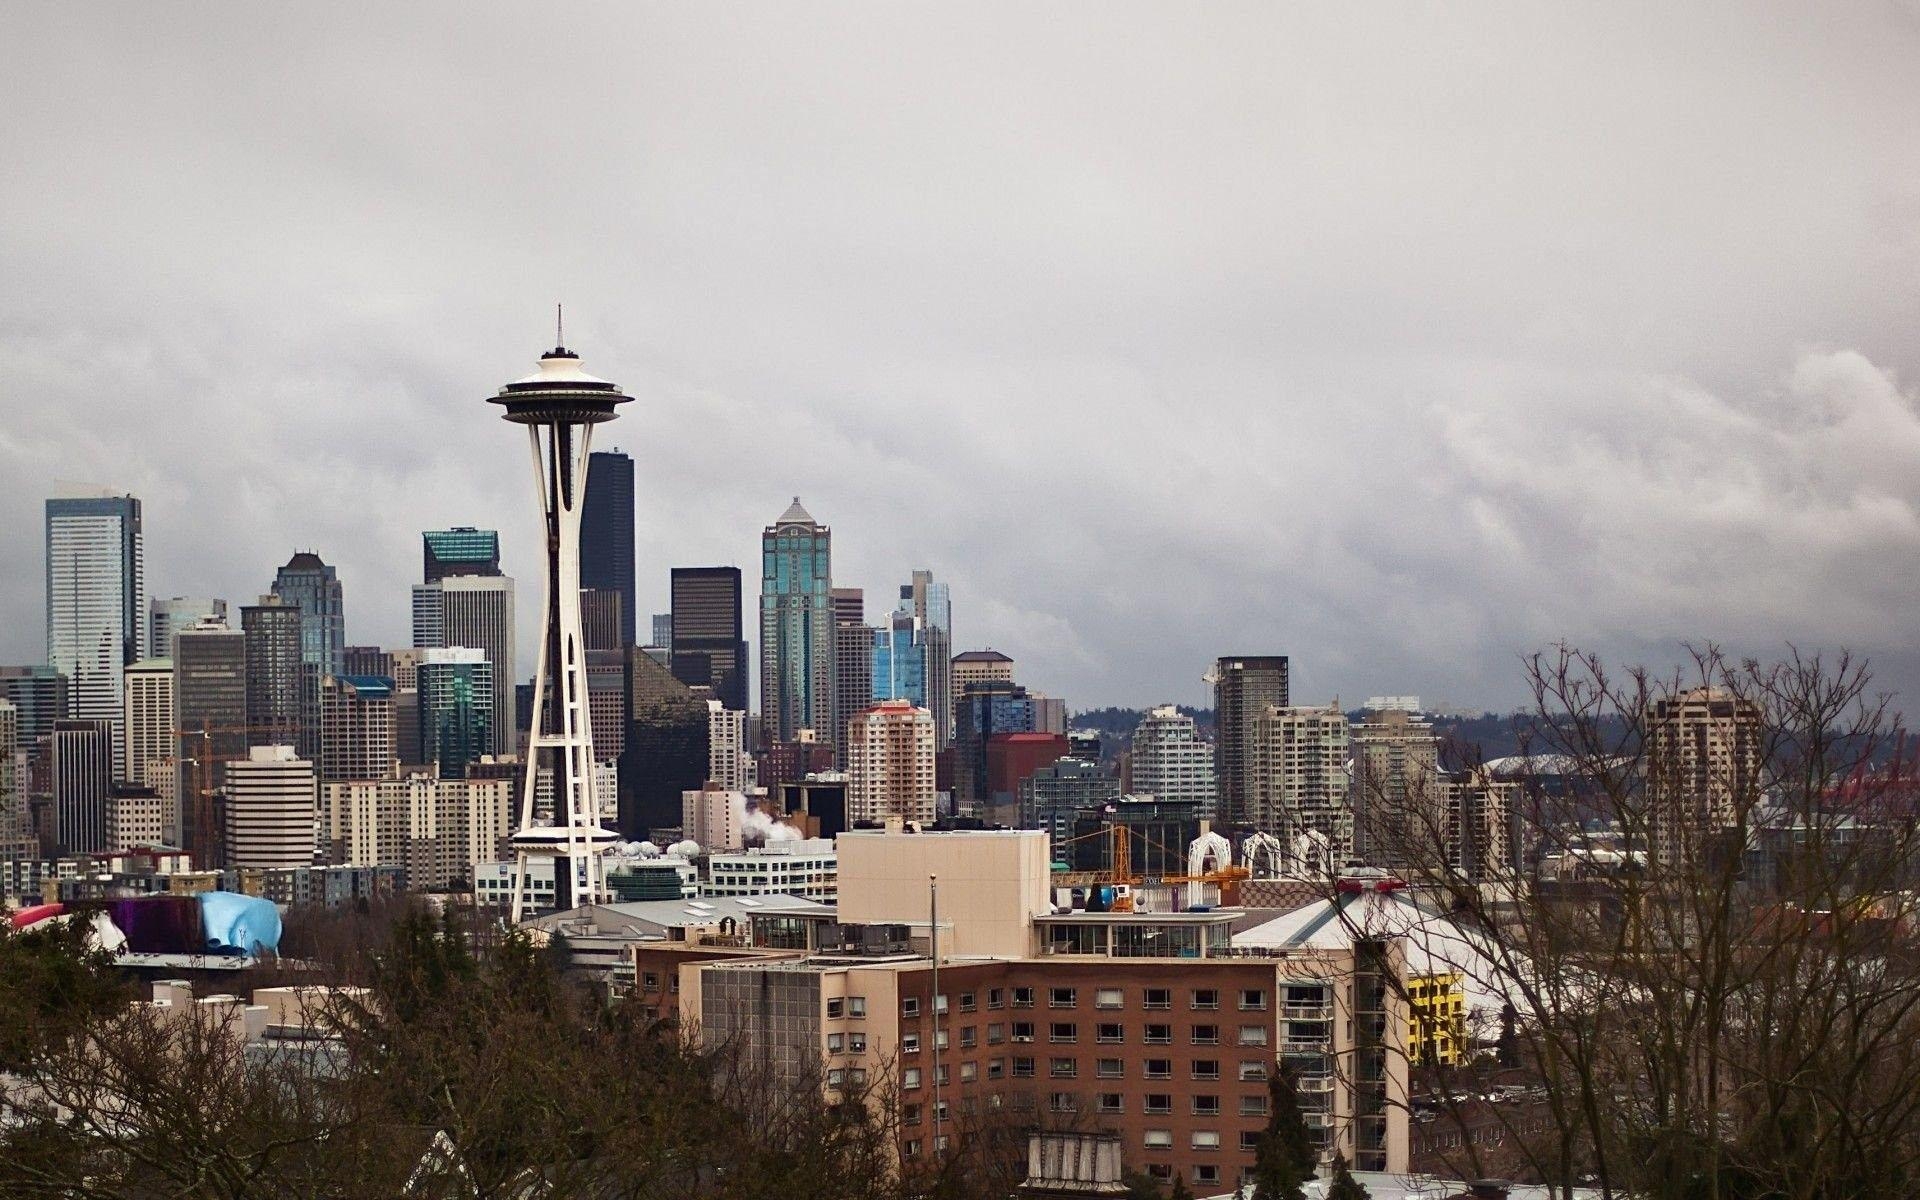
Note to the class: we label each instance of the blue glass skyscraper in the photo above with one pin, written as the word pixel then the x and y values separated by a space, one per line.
pixel 796 627
pixel 314 587
pixel 901 658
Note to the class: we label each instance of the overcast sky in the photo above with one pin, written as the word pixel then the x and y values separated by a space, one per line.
pixel 1400 341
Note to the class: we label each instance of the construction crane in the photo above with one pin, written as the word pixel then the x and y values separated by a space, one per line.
pixel 1119 871
pixel 209 847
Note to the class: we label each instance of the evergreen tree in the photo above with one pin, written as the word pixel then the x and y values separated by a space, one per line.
pixel 1285 1156
pixel 1343 1185
pixel 1507 1048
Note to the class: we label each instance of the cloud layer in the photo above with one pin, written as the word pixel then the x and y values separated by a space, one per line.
pixel 1399 342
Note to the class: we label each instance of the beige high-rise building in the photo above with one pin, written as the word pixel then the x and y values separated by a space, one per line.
pixel 357 729
pixel 1300 788
pixel 149 724
pixel 890 763
pixel 1703 771
pixel 978 666
pixel 1400 802
pixel 270 809
pixel 436 830
pixel 728 763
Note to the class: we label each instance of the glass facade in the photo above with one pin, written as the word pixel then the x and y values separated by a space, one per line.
pixel 456 700
pixel 313 587
pixel 796 627
pixel 902 660
pixel 96 602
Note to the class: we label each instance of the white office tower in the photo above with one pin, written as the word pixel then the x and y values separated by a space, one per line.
pixel 560 405
pixel 148 731
pixel 1170 762
pixel 270 809
pixel 96 605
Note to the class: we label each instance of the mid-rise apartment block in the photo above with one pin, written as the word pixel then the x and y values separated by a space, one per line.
pixel 890 762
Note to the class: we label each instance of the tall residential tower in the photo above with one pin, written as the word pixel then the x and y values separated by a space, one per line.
pixel 796 627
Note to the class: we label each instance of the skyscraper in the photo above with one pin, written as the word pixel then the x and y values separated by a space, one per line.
pixel 663 630
pixel 476 611
pixel 357 728
pixel 976 666
pixel 606 536
pixel 934 610
pixel 456 702
pixel 210 713
pixel 40 695
pixel 988 707
pixel 559 407
pixel 462 550
pixel 96 603
pixel 273 630
pixel 1170 762
pixel 1299 786
pixel 1704 773
pixel 1400 799
pixel 148 734
pixel 901 657
pixel 166 616
pixel 82 770
pixel 271 804
pixel 852 664
pixel 796 627
pixel 890 763
pixel 601 616
pixel 666 751
pixel 314 587
pixel 1244 688
pixel 705 633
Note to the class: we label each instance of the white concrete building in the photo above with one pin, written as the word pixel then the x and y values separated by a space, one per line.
pixel 1170 762
pixel 728 763
pixel 270 809
pixel 806 867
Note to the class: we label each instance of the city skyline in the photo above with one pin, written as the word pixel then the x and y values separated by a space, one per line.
pixel 1655 386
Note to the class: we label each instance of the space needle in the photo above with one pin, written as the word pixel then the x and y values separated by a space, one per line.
pixel 560 405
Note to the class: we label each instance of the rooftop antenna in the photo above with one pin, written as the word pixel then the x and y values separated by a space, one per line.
pixel 559 326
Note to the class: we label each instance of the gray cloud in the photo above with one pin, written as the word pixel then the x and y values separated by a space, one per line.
pixel 1402 342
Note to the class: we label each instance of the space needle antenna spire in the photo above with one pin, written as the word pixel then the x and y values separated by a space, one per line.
pixel 560 405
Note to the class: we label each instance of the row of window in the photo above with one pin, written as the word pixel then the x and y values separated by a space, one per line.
pixel 1199 999
pixel 1203 1069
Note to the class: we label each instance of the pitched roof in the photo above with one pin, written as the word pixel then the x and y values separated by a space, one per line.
pixel 796 515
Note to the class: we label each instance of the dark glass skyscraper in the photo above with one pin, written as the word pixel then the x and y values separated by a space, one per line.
pixel 314 587
pixel 1245 686
pixel 272 631
pixel 462 550
pixel 606 534
pixel 708 649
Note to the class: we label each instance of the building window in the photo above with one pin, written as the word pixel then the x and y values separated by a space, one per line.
pixel 1061 997
pixel 940 1038
pixel 1206 999
pixel 910 1007
pixel 1250 1139
pixel 1060 1102
pixel 1110 1068
pixel 1206 1068
pixel 857 1043
pixel 996 998
pixel 1023 1031
pixel 1206 1106
pixel 1253 1106
pixel 967 1038
pixel 940 1004
pixel 1109 1031
pixel 1160 1170
pixel 1023 1068
pixel 996 1034
pixel 856 1006
pixel 996 1067
pixel 1252 999
pixel 1063 1068
pixel 909 1043
pixel 909 1114
pixel 836 1043
pixel 1158 1139
pixel 650 982
pixel 1159 1035
pixel 1063 1031
pixel 941 1075
pixel 969 1071
pixel 1112 1102
pixel 1157 1102
pixel 1208 1173
pixel 1205 1139
pixel 910 1078
pixel 1159 997
pixel 1023 997
pixel 1108 998
pixel 1253 1072
pixel 911 1149
pixel 966 1002
pixel 1206 1035
pixel 1253 1035
pixel 836 1009
pixel 1159 1068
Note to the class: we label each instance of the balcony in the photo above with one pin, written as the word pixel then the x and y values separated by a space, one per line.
pixel 1307 1012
